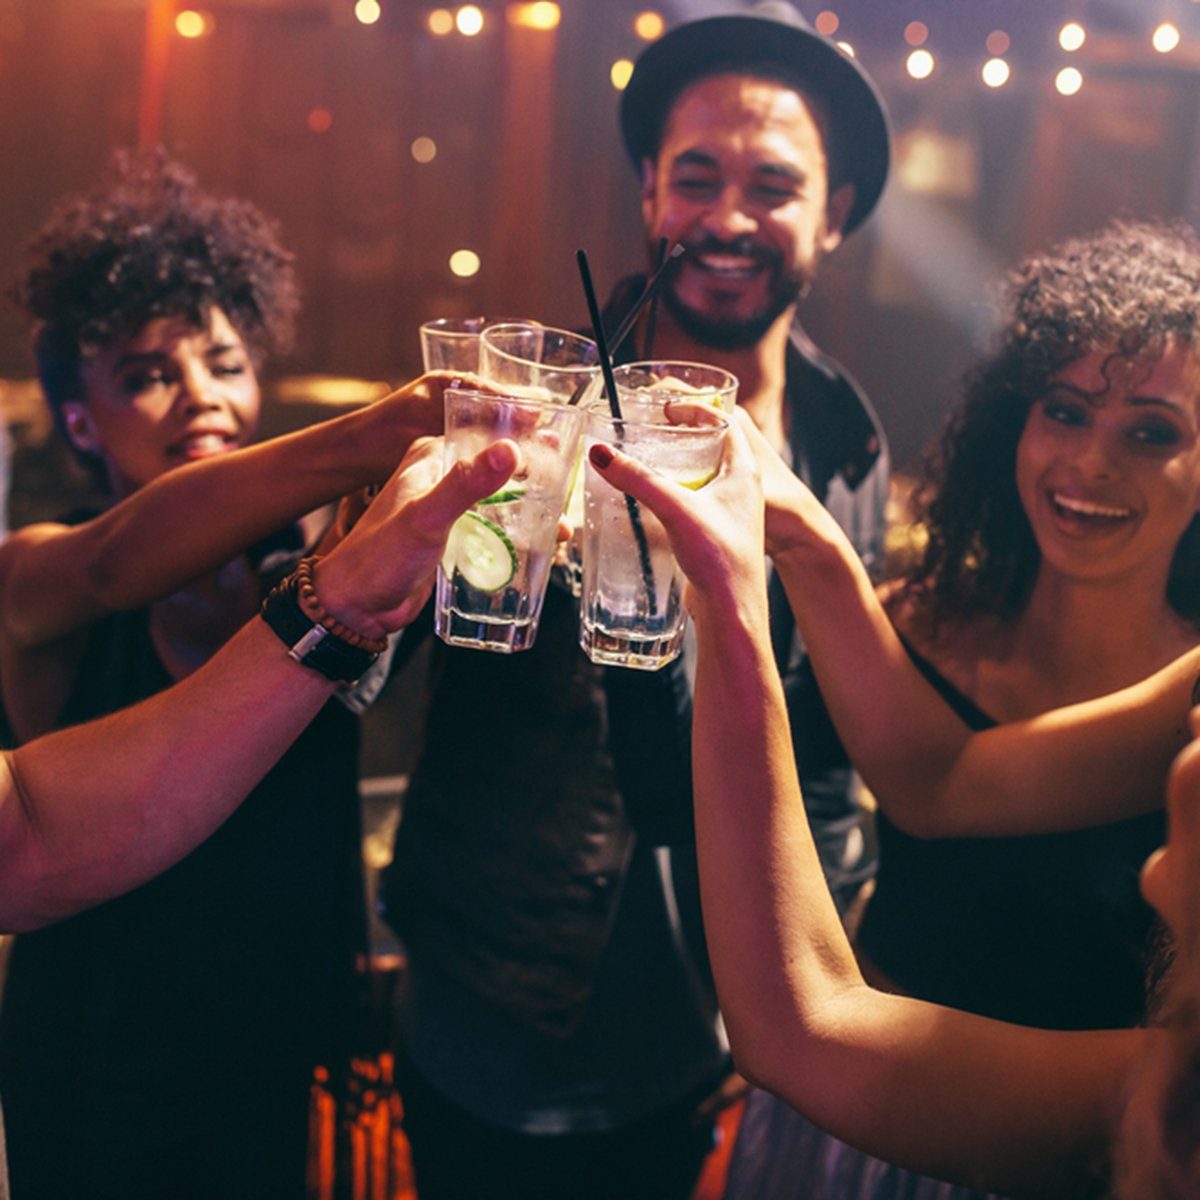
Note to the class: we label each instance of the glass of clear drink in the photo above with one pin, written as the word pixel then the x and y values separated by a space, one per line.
pixel 452 343
pixel 539 361
pixel 631 611
pixel 664 380
pixel 492 578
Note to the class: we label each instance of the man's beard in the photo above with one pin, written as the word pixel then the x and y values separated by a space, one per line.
pixel 726 333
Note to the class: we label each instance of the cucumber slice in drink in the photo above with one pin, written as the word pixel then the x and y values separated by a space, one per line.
pixel 511 491
pixel 481 552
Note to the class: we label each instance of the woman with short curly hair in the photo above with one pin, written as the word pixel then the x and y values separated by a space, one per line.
pixel 162 1044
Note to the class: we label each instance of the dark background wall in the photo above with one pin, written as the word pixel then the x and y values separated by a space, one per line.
pixel 529 164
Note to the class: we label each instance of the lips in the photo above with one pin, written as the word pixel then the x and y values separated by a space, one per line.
pixel 202 443
pixel 1085 513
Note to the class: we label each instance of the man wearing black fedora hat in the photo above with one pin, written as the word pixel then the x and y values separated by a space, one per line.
pixel 558 1033
pixel 761 145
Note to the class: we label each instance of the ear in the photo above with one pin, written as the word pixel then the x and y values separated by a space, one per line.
pixel 837 209
pixel 79 427
pixel 649 190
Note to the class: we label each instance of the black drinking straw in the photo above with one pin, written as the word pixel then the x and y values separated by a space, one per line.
pixel 652 315
pixel 610 386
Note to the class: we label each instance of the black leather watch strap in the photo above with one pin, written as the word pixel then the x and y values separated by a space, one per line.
pixel 310 644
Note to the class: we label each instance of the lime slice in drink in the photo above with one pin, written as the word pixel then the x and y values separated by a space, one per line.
pixel 694 482
pixel 510 492
pixel 481 552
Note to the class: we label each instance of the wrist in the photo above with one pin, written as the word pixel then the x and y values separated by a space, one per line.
pixel 328 598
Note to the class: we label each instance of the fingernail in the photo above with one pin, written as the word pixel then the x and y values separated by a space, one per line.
pixel 601 455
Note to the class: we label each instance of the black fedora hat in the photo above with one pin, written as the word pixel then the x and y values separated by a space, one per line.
pixel 772 36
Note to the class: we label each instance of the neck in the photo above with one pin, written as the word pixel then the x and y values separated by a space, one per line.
pixel 1100 637
pixel 760 369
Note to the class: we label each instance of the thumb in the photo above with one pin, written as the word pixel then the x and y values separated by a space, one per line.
pixel 469 480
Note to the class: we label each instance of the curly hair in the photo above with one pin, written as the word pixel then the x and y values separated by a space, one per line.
pixel 144 243
pixel 1132 288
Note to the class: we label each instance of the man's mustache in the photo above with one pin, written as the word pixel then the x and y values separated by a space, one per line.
pixel 743 247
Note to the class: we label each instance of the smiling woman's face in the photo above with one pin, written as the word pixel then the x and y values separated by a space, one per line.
pixel 1108 465
pixel 172 393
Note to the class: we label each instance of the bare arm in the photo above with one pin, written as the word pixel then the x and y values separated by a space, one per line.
pixel 1102 760
pixel 56 579
pixel 93 811
pixel 942 1092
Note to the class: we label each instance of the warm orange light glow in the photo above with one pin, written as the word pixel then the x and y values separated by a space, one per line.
pixel 441 22
pixel 621 73
pixel 464 263
pixel 846 49
pixel 541 15
pixel 1166 38
pixel 998 42
pixel 424 149
pixel 1071 36
pixel 368 11
pixel 648 25
pixel 192 24
pixel 916 32
pixel 469 20
pixel 995 72
pixel 1068 81
pixel 920 64
pixel 827 23
pixel 320 120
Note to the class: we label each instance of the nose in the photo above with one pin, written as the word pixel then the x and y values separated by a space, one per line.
pixel 728 216
pixel 197 387
pixel 1099 454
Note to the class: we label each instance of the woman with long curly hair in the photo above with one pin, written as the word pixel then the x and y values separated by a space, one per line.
pixel 162 1044
pixel 1015 708
pixel 1059 1114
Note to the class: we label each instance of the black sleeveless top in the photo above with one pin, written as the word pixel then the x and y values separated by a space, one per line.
pixel 236 962
pixel 1049 930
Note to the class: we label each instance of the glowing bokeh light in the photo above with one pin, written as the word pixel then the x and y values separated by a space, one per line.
pixel 424 149
pixel 368 11
pixel 541 15
pixel 827 23
pixel 846 49
pixel 469 20
pixel 995 72
pixel 919 64
pixel 648 25
pixel 441 22
pixel 1071 36
pixel 192 24
pixel 320 120
pixel 916 33
pixel 464 263
pixel 621 73
pixel 1166 38
pixel 998 42
pixel 1068 81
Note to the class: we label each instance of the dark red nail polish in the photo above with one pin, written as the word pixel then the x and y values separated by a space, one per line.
pixel 601 455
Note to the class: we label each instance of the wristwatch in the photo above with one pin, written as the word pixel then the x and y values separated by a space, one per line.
pixel 309 643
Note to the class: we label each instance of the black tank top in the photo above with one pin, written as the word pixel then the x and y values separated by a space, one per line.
pixel 238 959
pixel 1048 930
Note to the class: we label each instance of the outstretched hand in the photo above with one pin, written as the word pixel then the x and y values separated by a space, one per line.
pixel 716 532
pixel 378 578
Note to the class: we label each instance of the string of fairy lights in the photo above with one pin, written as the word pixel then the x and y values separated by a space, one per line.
pixel 921 63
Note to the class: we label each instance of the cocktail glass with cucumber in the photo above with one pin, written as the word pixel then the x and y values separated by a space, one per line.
pixel 492 578
pixel 631 611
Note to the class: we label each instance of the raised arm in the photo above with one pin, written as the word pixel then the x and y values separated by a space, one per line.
pixel 55 579
pixel 942 1092
pixel 91 812
pixel 1102 760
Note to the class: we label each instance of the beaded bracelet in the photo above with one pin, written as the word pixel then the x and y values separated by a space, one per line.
pixel 310 603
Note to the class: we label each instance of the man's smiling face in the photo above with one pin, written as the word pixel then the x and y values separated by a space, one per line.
pixel 741 178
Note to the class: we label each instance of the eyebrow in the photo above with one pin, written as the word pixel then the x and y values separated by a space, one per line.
pixel 1094 398
pixel 1156 402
